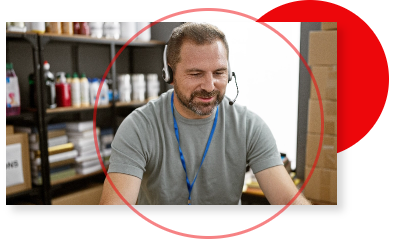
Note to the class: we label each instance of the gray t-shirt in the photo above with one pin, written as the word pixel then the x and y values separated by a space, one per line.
pixel 145 146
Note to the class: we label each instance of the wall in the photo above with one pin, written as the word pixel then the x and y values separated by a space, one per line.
pixel 267 71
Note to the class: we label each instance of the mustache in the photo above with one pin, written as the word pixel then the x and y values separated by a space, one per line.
pixel 204 94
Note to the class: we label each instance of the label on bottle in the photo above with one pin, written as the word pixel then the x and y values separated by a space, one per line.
pixel 84 93
pixel 12 92
pixel 75 93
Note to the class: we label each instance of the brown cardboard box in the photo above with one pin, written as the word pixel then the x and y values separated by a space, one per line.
pixel 330 117
pixel 328 26
pixel 20 138
pixel 9 129
pixel 322 49
pixel 89 196
pixel 322 185
pixel 326 78
pixel 328 154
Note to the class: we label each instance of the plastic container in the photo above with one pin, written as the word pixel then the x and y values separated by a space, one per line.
pixel 50 86
pixel 93 91
pixel 104 95
pixel 112 30
pixel 84 28
pixel 124 87
pixel 96 29
pixel 63 93
pixel 37 27
pixel 153 86
pixel 139 87
pixel 128 29
pixel 146 35
pixel 68 78
pixel 53 27
pixel 75 91
pixel 76 27
pixel 12 91
pixel 67 28
pixel 84 90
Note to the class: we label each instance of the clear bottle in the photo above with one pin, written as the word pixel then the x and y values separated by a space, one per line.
pixel 104 97
pixel 12 91
pixel 50 86
pixel 75 91
pixel 84 90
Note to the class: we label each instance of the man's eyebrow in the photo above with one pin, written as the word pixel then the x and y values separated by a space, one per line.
pixel 199 70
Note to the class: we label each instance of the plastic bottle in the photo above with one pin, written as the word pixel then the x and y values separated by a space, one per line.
pixel 96 29
pixel 139 87
pixel 104 97
pixel 84 28
pixel 67 28
pixel 75 91
pixel 146 35
pixel 12 91
pixel 84 90
pixel 38 27
pixel 68 78
pixel 53 27
pixel 153 86
pixel 112 30
pixel 50 86
pixel 124 87
pixel 63 93
pixel 76 27
pixel 93 91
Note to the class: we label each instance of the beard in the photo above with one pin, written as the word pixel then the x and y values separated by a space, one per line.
pixel 200 108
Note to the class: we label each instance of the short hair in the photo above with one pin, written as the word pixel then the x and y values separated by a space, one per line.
pixel 199 33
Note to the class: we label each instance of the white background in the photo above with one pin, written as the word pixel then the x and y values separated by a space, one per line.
pixel 373 195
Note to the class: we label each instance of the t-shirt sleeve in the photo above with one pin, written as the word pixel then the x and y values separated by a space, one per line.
pixel 130 146
pixel 262 152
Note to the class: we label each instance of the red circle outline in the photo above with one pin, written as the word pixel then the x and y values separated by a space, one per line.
pixel 203 10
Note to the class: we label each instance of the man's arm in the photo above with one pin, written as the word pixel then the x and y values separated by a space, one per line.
pixel 278 187
pixel 127 185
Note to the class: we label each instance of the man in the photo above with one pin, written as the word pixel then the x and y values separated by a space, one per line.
pixel 190 146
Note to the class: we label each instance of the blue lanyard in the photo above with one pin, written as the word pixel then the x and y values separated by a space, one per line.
pixel 190 186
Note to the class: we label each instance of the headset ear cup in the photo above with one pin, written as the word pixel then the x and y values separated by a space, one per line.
pixel 170 74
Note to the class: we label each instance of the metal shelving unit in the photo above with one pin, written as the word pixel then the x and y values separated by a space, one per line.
pixel 41 116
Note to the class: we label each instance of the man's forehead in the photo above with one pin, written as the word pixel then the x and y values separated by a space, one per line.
pixel 191 45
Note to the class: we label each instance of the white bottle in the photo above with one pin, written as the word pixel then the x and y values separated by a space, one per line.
pixel 84 91
pixel 139 87
pixel 75 91
pixel 153 86
pixel 104 99
pixel 124 87
pixel 93 91
pixel 112 30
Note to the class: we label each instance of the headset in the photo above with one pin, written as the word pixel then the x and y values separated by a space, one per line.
pixel 168 74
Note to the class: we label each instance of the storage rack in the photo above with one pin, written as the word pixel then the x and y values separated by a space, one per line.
pixel 41 117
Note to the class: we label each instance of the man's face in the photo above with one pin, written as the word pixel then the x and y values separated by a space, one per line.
pixel 201 77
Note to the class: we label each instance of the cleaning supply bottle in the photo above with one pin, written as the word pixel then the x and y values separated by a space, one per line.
pixel 63 93
pixel 50 86
pixel 94 85
pixel 84 90
pixel 12 91
pixel 75 91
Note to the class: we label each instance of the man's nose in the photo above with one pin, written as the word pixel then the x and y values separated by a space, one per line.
pixel 208 82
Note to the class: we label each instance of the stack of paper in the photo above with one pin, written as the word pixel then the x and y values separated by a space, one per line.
pixel 82 136
pixel 61 153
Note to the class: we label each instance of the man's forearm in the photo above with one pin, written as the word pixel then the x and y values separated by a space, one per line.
pixel 301 200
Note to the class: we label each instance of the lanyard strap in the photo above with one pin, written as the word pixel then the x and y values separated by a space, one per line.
pixel 183 162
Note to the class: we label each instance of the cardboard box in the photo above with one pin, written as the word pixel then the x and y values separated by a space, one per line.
pixel 326 78
pixel 328 26
pixel 328 154
pixel 322 49
pixel 18 175
pixel 322 185
pixel 89 196
pixel 330 117
pixel 9 129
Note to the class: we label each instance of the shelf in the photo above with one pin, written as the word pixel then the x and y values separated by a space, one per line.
pixel 10 34
pixel 74 109
pixel 87 39
pixel 76 177
pixel 35 191
pixel 133 103
pixel 24 116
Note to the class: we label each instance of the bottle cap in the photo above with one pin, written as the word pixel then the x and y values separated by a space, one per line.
pixel 68 75
pixel 9 66
pixel 75 75
pixel 83 75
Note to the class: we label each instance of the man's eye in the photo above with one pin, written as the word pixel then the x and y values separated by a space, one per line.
pixel 219 73
pixel 195 74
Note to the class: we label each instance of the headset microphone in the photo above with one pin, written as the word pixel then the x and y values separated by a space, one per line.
pixel 231 102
